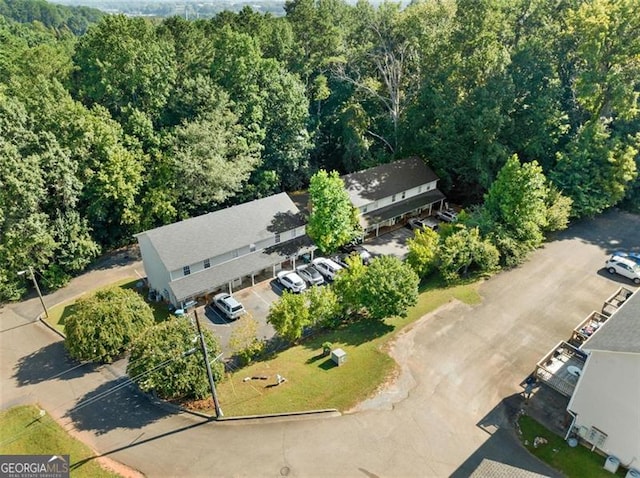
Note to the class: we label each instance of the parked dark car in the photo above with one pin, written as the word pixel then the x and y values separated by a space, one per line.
pixel 310 275
pixel 357 249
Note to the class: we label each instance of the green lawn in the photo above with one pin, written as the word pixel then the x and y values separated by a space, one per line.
pixel 578 462
pixel 23 431
pixel 313 381
pixel 59 313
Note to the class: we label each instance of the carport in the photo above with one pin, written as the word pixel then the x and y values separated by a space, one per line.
pixel 231 274
pixel 394 213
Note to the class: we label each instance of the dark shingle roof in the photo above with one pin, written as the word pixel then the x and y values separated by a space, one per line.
pixel 387 179
pixel 193 240
pixel 621 333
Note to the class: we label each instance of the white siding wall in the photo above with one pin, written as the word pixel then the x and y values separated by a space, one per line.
pixel 608 397
pixel 157 275
pixel 228 256
pixel 387 201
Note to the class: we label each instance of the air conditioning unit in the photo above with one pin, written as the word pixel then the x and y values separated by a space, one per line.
pixel 632 473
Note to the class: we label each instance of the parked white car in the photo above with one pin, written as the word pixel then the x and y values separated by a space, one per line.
pixel 625 267
pixel 291 281
pixel 327 267
pixel 228 306
pixel 447 215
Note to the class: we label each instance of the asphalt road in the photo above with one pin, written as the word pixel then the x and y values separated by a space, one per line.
pixel 450 407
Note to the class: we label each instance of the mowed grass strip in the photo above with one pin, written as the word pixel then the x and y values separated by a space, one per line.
pixel 23 431
pixel 578 462
pixel 313 380
pixel 59 313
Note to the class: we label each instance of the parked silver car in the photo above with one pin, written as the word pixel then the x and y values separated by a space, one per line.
pixel 418 223
pixel 327 267
pixel 291 281
pixel 310 275
pixel 447 215
pixel 228 306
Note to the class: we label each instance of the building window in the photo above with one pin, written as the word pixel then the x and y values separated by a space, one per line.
pixel 277 238
pixel 393 198
pixel 419 189
pixel 186 270
pixel 404 194
pixel 207 263
pixel 252 247
pixel 364 209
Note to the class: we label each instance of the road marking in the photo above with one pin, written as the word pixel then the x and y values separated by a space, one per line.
pixel 220 316
pixel 260 297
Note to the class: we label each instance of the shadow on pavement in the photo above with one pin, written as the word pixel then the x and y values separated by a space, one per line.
pixel 120 257
pixel 613 231
pixel 115 404
pixel 78 465
pixel 49 363
pixel 503 445
pixel 616 278
pixel 215 317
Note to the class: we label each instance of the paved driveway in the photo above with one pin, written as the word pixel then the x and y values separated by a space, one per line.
pixel 393 243
pixel 461 367
pixel 256 301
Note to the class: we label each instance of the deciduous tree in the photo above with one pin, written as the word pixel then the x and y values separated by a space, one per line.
pixel 244 341
pixel 324 308
pixel 386 287
pixel 289 316
pixel 167 359
pixel 212 158
pixel 103 325
pixel 463 251
pixel 121 62
pixel 389 288
pixel 423 251
pixel 333 219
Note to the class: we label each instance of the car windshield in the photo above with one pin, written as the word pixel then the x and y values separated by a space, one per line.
pixel 236 308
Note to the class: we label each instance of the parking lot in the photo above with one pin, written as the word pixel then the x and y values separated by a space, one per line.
pixel 258 298
pixel 393 243
pixel 256 301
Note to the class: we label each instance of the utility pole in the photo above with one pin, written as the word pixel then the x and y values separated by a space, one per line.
pixel 212 384
pixel 35 283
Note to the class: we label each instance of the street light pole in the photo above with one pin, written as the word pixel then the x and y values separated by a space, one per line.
pixel 35 283
pixel 212 384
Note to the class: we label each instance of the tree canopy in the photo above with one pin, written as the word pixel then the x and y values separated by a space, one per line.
pixel 103 325
pixel 387 287
pixel 111 125
pixel 167 359
pixel 333 220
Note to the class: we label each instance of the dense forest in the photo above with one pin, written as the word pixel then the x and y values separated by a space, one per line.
pixel 57 17
pixel 137 123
